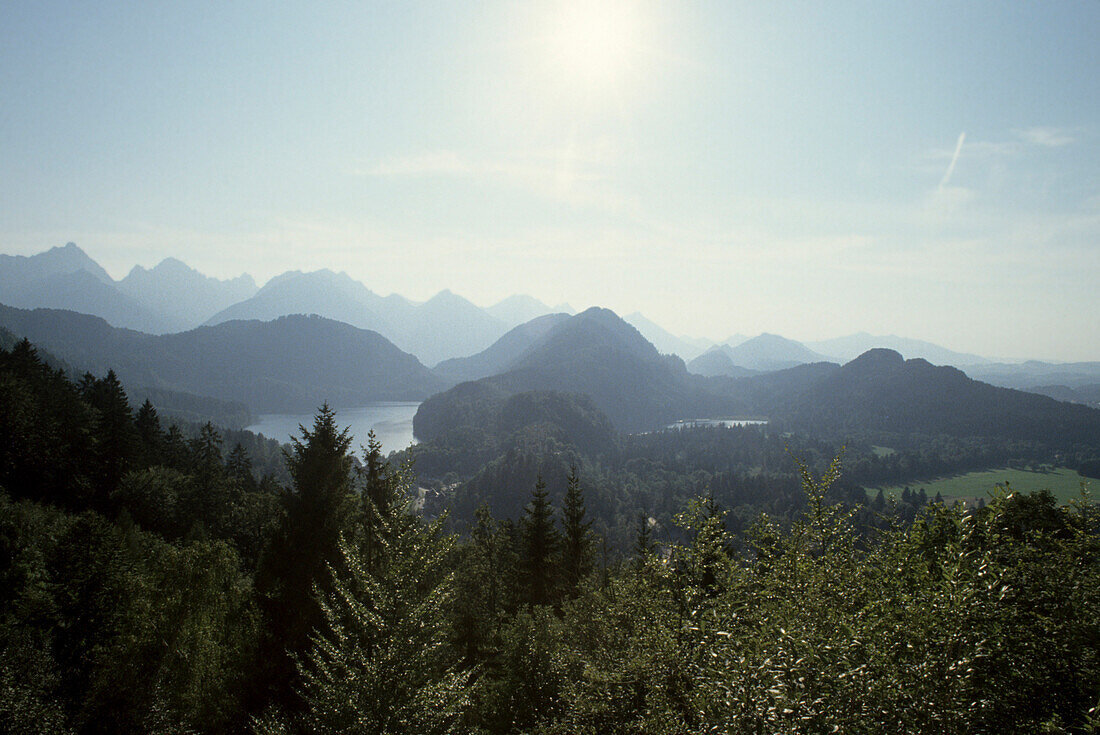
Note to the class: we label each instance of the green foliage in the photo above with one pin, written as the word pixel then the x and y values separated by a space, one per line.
pixel 962 623
pixel 577 542
pixel 382 662
pixel 540 542
pixel 319 511
pixel 485 589
pixel 109 629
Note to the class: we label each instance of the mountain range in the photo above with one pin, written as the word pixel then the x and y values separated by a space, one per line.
pixel 854 345
pixel 763 353
pixel 597 354
pixel 182 294
pixel 168 298
pixel 294 363
pixel 173 297
pixel 594 353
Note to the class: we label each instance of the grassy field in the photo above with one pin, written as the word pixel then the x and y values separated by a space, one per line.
pixel 1063 482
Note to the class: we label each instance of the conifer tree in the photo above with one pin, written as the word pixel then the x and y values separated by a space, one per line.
pixel 485 587
pixel 380 661
pixel 539 547
pixel 577 561
pixel 644 545
pixel 150 435
pixel 319 508
pixel 208 499
pixel 239 467
pixel 116 436
pixel 380 490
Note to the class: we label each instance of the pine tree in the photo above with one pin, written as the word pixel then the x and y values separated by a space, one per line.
pixel 644 545
pixel 577 561
pixel 116 436
pixel 238 465
pixel 484 588
pixel 540 542
pixel 380 491
pixel 381 660
pixel 318 510
pixel 150 435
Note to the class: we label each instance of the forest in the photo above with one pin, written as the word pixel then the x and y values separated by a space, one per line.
pixel 172 578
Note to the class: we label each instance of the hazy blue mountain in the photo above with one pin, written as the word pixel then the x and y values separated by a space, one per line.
pixel 666 342
pixel 768 352
pixel 291 364
pixel 500 356
pixel 445 326
pixel 597 354
pixel 717 361
pixel 1088 395
pixel 66 278
pixel 519 309
pixel 854 345
pixel 183 295
pixel 1034 372
pixel 332 295
pixel 18 272
pixel 83 292
pixel 735 339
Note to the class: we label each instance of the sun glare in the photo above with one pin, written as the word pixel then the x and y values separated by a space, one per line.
pixel 596 43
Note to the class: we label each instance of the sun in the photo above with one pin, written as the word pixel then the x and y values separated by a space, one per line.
pixel 594 43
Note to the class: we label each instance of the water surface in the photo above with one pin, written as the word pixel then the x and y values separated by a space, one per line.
pixel 390 420
pixel 710 423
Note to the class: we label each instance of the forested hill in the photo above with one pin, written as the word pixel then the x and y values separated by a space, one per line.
pixel 292 364
pixel 597 354
pixel 881 391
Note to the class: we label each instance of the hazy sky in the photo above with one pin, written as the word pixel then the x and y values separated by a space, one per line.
pixel 811 169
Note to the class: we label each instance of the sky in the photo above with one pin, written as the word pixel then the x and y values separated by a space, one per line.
pixel 930 170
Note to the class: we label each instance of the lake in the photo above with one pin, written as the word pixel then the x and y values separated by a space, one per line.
pixel 392 422
pixel 711 423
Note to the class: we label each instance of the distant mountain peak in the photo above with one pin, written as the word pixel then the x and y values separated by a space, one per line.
pixel 519 309
pixel 877 359
pixel 19 271
pixel 322 275
pixel 448 298
pixel 173 264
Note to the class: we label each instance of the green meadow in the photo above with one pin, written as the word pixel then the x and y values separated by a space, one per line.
pixel 1062 481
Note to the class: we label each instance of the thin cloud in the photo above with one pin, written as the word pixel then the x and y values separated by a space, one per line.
pixel 954 159
pixel 1045 136
pixel 452 164
pixel 576 176
pixel 538 164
